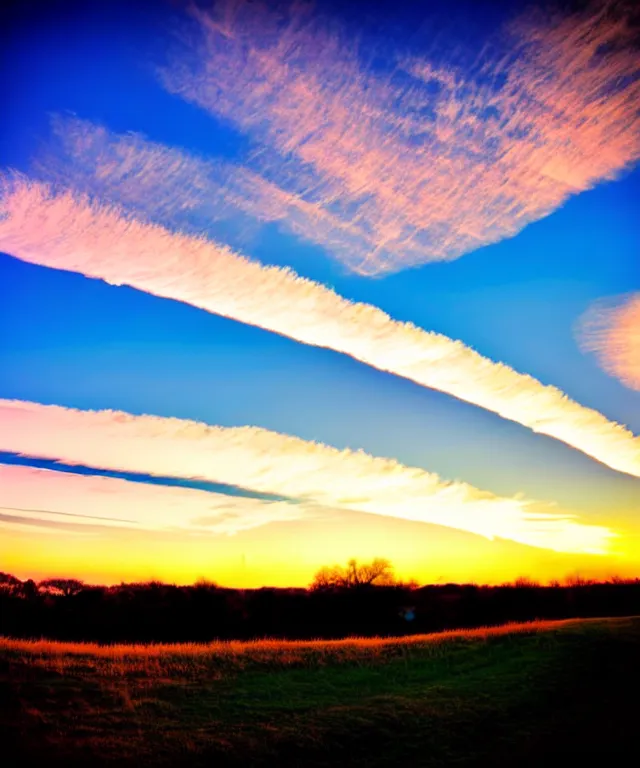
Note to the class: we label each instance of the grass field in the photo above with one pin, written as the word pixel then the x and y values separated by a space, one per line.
pixel 512 695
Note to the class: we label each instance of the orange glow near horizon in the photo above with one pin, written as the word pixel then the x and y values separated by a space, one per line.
pixel 288 555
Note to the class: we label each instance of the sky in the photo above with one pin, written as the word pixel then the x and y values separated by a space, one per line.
pixel 285 284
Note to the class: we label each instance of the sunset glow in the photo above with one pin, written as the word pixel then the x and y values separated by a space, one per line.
pixel 283 285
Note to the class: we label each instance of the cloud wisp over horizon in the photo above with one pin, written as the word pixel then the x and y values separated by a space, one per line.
pixel 426 158
pixel 52 500
pixel 56 228
pixel 610 329
pixel 316 475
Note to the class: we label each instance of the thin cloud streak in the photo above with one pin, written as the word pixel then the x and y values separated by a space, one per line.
pixel 14 522
pixel 65 231
pixel 610 329
pixel 46 497
pixel 270 462
pixel 78 468
pixel 431 160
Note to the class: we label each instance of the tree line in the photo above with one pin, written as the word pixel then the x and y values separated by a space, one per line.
pixel 361 599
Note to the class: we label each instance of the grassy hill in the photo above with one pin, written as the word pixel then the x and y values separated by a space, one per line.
pixel 513 695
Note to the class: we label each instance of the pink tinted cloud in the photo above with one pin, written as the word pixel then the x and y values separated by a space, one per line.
pixel 437 164
pixel 178 189
pixel 278 464
pixel 611 330
pixel 56 229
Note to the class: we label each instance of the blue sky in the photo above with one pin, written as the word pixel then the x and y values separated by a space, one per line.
pixel 78 342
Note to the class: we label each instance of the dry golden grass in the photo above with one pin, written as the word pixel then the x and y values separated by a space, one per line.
pixel 464 697
pixel 228 656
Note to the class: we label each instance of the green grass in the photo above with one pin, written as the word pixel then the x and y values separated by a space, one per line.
pixel 517 695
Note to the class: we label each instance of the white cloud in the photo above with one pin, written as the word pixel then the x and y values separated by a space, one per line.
pixel 268 462
pixel 58 229
pixel 63 500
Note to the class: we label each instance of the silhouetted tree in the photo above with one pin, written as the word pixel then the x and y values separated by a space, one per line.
pixel 356 599
pixel 9 582
pixel 28 589
pixel 204 584
pixel 524 582
pixel 379 572
pixel 64 587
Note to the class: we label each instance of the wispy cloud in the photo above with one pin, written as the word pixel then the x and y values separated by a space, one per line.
pixel 61 230
pixel 610 328
pixel 178 189
pixel 431 159
pixel 62 501
pixel 270 462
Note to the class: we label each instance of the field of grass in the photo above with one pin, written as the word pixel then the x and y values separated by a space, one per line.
pixel 513 695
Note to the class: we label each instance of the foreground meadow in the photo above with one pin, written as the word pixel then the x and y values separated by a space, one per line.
pixel 511 695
